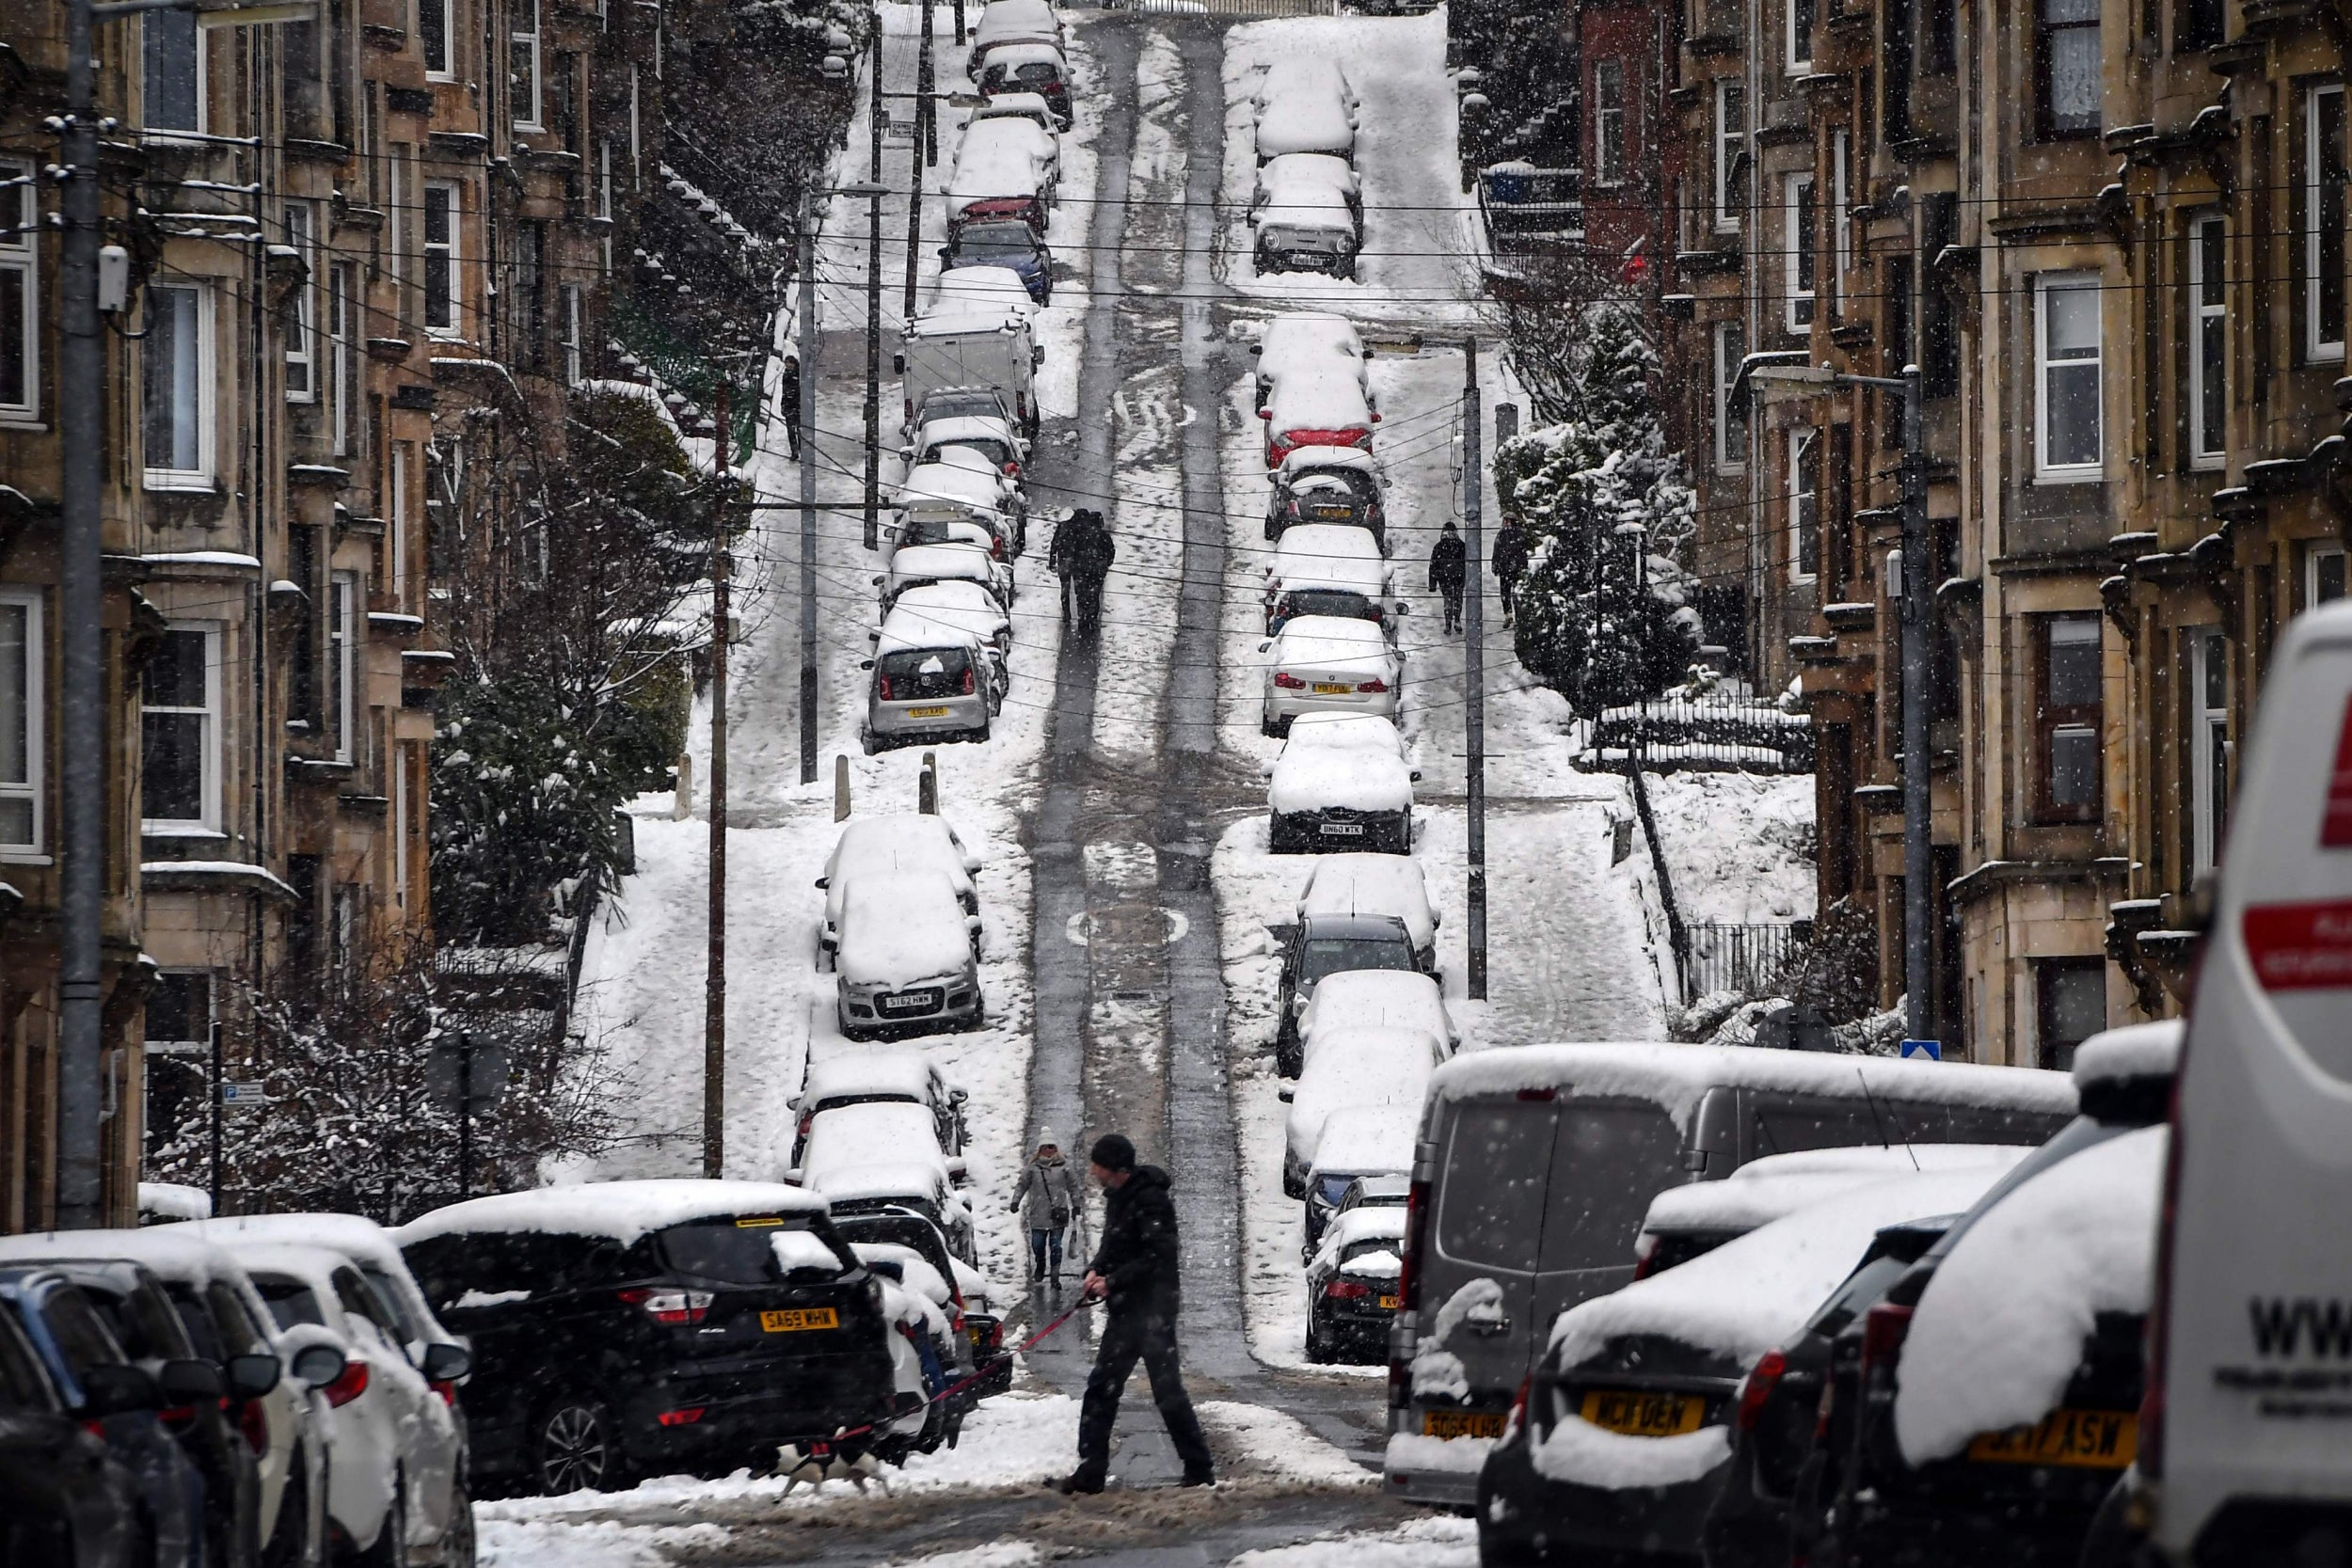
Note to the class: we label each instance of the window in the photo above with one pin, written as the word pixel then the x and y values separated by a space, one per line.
pixel 396 526
pixel 1609 122
pixel 20 292
pixel 1731 153
pixel 403 825
pixel 2323 223
pixel 395 220
pixel 1939 42
pixel 1731 413
pixel 342 655
pixel 434 34
pixel 2198 25
pixel 22 753
pixel 1841 214
pixel 604 201
pixel 342 360
pixel 1798 262
pixel 2066 68
pixel 523 65
pixel 1800 37
pixel 1894 53
pixel 180 731
pixel 2208 742
pixel 301 309
pixel 1939 315
pixel 440 258
pixel 2322 575
pixel 2067 432
pixel 531 293
pixel 2071 996
pixel 178 1043
pixel 2067 716
pixel 571 329
pixel 178 383
pixel 173 77
pixel 1804 519
pixel 2208 344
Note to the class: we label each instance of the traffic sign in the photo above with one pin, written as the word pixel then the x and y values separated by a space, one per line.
pixel 1928 1051
pixel 245 1096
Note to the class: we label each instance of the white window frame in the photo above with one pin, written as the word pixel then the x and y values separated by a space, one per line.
pixel 1841 218
pixel 160 1047
pixel 1730 146
pixel 395 230
pixel 199 477
pixel 523 43
pixel 604 200
pixel 2046 471
pixel 2312 558
pixel 20 255
pixel 1609 124
pixel 570 322
pixel 207 821
pixel 2315 348
pixel 1726 366
pixel 450 250
pixel 2209 745
pixel 342 653
pixel 2207 449
pixel 1801 63
pixel 1804 501
pixel 447 71
pixel 342 310
pixel 1798 302
pixel 34 786
pixel 302 356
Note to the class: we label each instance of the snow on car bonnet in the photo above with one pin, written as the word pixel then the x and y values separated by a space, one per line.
pixel 2000 1330
pixel 868 1072
pixel 847 1137
pixel 1747 1296
pixel 1360 778
pixel 900 929
pixel 621 1211
pixel 1677 1077
pixel 2135 1051
pixel 1363 1139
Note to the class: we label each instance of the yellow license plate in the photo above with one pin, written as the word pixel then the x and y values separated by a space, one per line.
pixel 1332 689
pixel 927 713
pixel 1461 1423
pixel 1637 1415
pixel 1388 1303
pixel 793 1320
pixel 2092 1439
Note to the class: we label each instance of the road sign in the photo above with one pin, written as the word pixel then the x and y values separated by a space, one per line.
pixel 1927 1051
pixel 484 1077
pixel 242 1097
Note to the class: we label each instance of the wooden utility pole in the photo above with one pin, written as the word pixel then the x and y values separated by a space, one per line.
pixel 715 978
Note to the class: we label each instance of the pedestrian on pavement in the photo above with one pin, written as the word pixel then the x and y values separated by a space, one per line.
pixel 1133 1270
pixel 1090 553
pixel 1047 1200
pixel 1449 563
pixel 1510 561
pixel 1058 561
pixel 789 398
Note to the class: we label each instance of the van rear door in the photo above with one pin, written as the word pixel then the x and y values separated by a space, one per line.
pixel 1609 1158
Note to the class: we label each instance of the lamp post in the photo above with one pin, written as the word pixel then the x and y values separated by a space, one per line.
pixel 1918 671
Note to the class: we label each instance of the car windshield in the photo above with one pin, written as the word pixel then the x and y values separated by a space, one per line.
pixel 738 1251
pixel 1329 601
pixel 963 406
pixel 929 531
pixel 1356 485
pixel 996 241
pixel 1332 1188
pixel 1037 73
pixel 919 672
pixel 995 451
pixel 1332 955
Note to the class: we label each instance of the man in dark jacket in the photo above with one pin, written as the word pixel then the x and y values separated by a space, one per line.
pixel 1448 566
pixel 1134 1273
pixel 1087 550
pixel 1510 562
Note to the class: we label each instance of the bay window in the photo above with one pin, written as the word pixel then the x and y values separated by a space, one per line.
pixel 2067 378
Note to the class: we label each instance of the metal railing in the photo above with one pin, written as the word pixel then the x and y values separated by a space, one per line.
pixel 1252 9
pixel 1721 957
pixel 1712 731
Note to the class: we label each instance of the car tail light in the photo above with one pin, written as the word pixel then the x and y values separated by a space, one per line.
pixel 1757 1386
pixel 448 1392
pixel 1374 685
pixel 1289 682
pixel 253 1426
pixel 1265 414
pixel 349 1387
pixel 1347 1289
pixel 1518 1417
pixel 1884 1330
pixel 996 549
pixel 676 1309
pixel 1021 405
pixel 968 687
pixel 1013 470
pixel 1644 1255
pixel 686 1417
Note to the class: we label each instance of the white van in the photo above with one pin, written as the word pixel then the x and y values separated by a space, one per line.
pixel 2246 1436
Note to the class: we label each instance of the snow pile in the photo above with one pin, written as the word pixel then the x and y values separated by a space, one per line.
pixel 1268 1445
pixel 1764 1190
pixel 1433 1541
pixel 623 1210
pixel 1740 846
pixel 1410 1453
pixel 2000 1329
pixel 996 1554
pixel 2114 1055
pixel 1580 1453
pixel 1438 1373
pixel 587 1544
pixel 1315 778
pixel 170 1200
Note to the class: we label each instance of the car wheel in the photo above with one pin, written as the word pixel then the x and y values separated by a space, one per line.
pixel 575 1448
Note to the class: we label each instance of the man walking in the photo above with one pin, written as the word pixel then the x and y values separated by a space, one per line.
pixel 1057 560
pixel 1510 562
pixel 1135 1272
pixel 1448 567
pixel 1090 553
pixel 1047 1200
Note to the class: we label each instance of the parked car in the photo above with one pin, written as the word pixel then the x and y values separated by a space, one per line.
pixel 1306 225
pixel 892 844
pixel 880 1078
pixel 1027 107
pixel 874 1132
pixel 1321 946
pixel 1334 485
pixel 1591 1133
pixel 1351 1286
pixel 1619 1442
pixel 1026 69
pixel 1310 343
pixel 1323 664
pixel 1316 406
pixel 1373 998
pixel 911 1228
pixel 991 449
pixel 65 1497
pixel 1320 169
pixel 630 1328
pixel 865 1181
pixel 2244 1308
pixel 917 565
pixel 373 1251
pixel 1361 1068
pixel 969 606
pixel 1331 569
pixel 1354 883
pixel 1003 169
pixel 909 958
pixel 1359 1142
pixel 1376 1191
pixel 1305 105
pixel 1003 242
pixel 1331 789
pixel 932 684
pixel 1005 23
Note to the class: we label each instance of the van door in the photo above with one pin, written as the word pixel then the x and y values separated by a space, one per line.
pixel 1608 1159
pixel 1487 1224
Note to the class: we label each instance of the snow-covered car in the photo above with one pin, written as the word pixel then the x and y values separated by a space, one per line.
pixel 1371 884
pixel 372 1250
pixel 880 1078
pixel 908 958
pixel 984 1324
pixel 395 1452
pixel 1620 1438
pixel 1327 664
pixel 1029 69
pixel 1003 169
pixel 1360 1141
pixel 981 531
pixel 1376 1191
pixel 875 1183
pixel 1304 225
pixel 969 608
pixel 1309 342
pixel 1327 484
pixel 1004 23
pixel 1305 105
pixel 961 482
pixel 911 565
pixel 989 435
pixel 981 293
pixel 893 844
pixel 1321 795
pixel 1329 569
pixel 1323 947
pixel 622 1329
pixel 931 682
pixel 1316 406
pixel 870 1132
pixel 1351 1286
pixel 1322 168
pixel 1360 1068
pixel 1374 999
pixel 1003 242
pixel 933 1327
pixel 1031 107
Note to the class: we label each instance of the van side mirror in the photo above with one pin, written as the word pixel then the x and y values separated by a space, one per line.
pixel 1417 775
pixel 187 1382
pixel 899 363
pixel 445 1363
pixel 115 1387
pixel 252 1376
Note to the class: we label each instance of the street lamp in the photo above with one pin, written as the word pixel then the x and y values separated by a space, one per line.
pixel 1770 371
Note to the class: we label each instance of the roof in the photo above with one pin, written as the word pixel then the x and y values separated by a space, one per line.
pixel 1012 105
pixel 908 630
pixel 2135 1051
pixel 1362 778
pixel 994 167
pixel 1327 560
pixel 956 483
pixel 1370 730
pixel 1364 1139
pixel 354 1236
pixel 1023 54
pixel 1677 1077
pixel 1312 165
pixel 1318 396
pixel 621 1211
pixel 1384 884
pixel 1305 123
pixel 1299 459
pixel 169 1252
pixel 979 291
pixel 1377 999
pixel 1758 1194
pixel 905 1072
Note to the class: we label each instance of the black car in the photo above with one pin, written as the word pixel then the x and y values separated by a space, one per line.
pixel 2029 1501
pixel 1772 1437
pixel 1352 1286
pixel 119 1402
pixel 630 1329
pixel 66 1497
pixel 985 1329
pixel 1004 242
pixel 1322 944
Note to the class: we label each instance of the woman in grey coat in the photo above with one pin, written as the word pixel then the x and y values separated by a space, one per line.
pixel 1047 1201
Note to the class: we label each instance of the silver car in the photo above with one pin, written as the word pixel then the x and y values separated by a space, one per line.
pixel 908 959
pixel 931 682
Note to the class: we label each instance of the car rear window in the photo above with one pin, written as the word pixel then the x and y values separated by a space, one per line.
pixel 1332 955
pixel 1335 1188
pixel 510 1265
pixel 1861 1290
pixel 923 673
pixel 994 451
pixel 1037 73
pixel 1329 601
pixel 197 1321
pixel 738 1251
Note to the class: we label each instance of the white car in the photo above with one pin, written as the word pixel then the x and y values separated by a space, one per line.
pixel 1326 664
pixel 1356 999
pixel 1372 884
pixel 913 565
pixel 873 1131
pixel 985 445
pixel 874 1184
pixel 1357 1068
pixel 908 957
pixel 1330 569
pixel 370 1249
pixel 1306 104
pixel 1357 1142
pixel 892 844
pixel 395 1453
pixel 1029 106
pixel 1309 342
pixel 984 292
pixel 1337 174
pixel 1326 796
pixel 1317 405
pixel 923 1309
pixel 880 1078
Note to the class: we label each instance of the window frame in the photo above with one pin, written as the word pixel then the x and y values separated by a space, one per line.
pixel 342 316
pixel 200 477
pixel 180 1046
pixel 528 108
pixel 198 45
pixel 34 786
pixel 343 657
pixel 1728 367
pixel 444 9
pixel 1609 114
pixel 2208 328
pixel 1801 267
pixel 1731 151
pixel 2046 126
pixel 2209 746
pixel 207 822
pixel 2320 349
pixel 396 524
pixel 2049 719
pixel 20 255
pixel 570 319
pixel 1842 218
pixel 451 254
pixel 1799 62
pixel 2045 470
pixel 1804 503
pixel 302 316
pixel 2314 556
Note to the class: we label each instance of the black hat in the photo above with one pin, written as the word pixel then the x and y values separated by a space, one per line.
pixel 1112 1151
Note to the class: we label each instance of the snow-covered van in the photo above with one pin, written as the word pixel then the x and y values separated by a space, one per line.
pixel 1324 408
pixel 2246 1436
pixel 1537 1165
